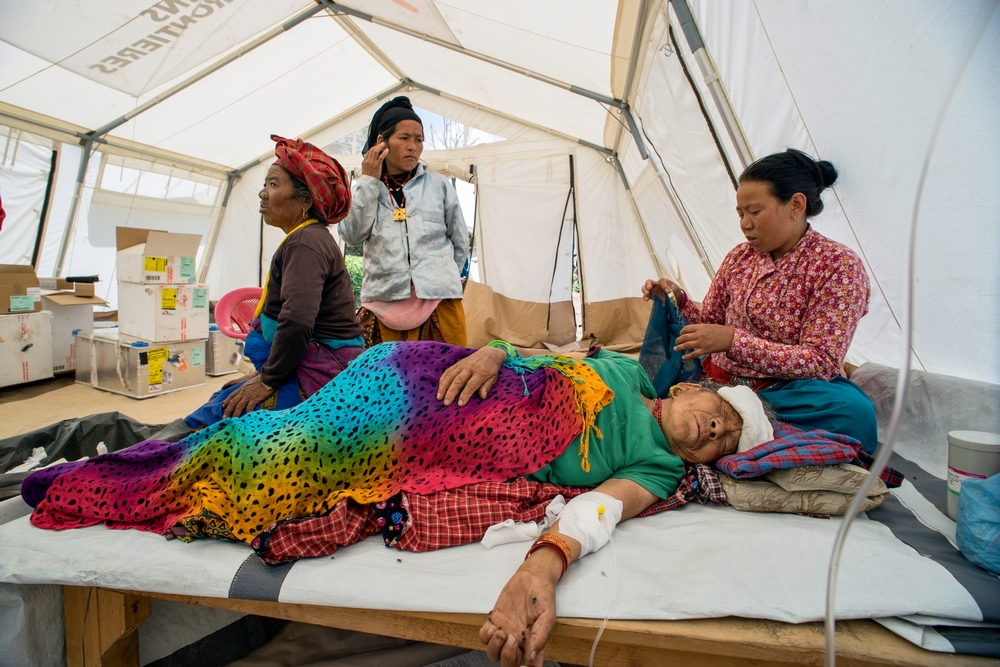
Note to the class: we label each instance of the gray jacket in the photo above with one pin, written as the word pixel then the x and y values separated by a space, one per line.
pixel 428 249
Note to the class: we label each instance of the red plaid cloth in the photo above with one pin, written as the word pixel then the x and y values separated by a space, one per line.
pixel 449 518
pixel 325 177
pixel 794 448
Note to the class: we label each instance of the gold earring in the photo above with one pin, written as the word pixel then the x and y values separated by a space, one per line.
pixel 304 215
pixel 674 391
pixel 263 195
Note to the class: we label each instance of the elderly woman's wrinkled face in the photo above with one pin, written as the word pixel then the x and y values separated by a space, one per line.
pixel 279 204
pixel 700 426
pixel 406 144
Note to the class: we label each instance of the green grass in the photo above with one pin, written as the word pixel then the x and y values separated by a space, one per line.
pixel 354 270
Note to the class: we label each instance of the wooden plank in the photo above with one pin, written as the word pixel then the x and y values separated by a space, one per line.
pixel 83 632
pixel 101 626
pixel 711 642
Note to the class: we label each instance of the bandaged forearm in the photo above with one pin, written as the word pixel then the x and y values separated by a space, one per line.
pixel 590 519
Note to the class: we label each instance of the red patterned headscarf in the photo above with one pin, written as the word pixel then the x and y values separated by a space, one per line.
pixel 325 177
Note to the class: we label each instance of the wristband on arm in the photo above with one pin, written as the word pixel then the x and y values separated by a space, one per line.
pixel 511 351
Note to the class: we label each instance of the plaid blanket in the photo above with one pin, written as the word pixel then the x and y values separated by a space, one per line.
pixel 793 448
pixel 447 518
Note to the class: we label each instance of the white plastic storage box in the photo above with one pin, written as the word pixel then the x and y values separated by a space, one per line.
pixel 25 348
pixel 139 369
pixel 149 257
pixel 161 313
pixel 222 354
pixel 70 313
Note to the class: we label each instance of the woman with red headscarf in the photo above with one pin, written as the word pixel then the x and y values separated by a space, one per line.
pixel 306 330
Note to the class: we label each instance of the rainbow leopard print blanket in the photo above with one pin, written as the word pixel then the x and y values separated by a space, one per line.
pixel 373 431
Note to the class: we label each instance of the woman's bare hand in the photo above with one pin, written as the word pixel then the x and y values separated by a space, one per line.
pixel 518 628
pixel 660 288
pixel 371 165
pixel 240 380
pixel 246 398
pixel 477 373
pixel 703 339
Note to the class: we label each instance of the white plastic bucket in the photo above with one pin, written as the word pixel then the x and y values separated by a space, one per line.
pixel 971 455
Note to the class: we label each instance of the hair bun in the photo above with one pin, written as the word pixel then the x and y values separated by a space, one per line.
pixel 827 173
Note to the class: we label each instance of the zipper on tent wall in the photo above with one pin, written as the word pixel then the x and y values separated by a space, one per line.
pixel 474 179
pixel 701 105
pixel 577 256
pixel 43 218
pixel 555 262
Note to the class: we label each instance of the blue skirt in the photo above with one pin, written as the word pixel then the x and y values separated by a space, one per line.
pixel 839 406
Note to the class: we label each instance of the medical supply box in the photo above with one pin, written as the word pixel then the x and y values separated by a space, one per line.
pixel 109 360
pixel 148 257
pixel 222 353
pixel 70 313
pixel 161 313
pixel 19 290
pixel 25 347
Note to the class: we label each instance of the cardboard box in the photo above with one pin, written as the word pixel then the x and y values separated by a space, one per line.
pixel 222 353
pixel 25 348
pixel 70 313
pixel 148 257
pixel 107 360
pixel 160 313
pixel 60 285
pixel 19 290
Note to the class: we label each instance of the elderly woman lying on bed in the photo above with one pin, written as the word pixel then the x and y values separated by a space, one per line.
pixel 423 417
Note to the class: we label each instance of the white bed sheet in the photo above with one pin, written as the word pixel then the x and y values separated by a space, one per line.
pixel 694 562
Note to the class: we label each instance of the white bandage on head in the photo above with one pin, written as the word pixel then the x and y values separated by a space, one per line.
pixel 757 427
pixel 590 518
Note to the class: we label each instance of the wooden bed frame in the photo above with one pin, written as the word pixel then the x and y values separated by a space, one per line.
pixel 101 632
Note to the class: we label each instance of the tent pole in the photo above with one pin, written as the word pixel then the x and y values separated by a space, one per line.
pixel 239 171
pixel 506 116
pixel 637 34
pixel 211 69
pixel 144 151
pixel 642 223
pixel 81 176
pixel 713 81
pixel 213 233
pixel 338 8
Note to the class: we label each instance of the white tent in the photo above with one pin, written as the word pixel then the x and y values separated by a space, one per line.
pixel 618 141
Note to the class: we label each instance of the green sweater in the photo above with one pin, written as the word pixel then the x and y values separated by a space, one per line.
pixel 633 446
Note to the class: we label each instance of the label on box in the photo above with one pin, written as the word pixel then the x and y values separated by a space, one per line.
pixel 22 303
pixel 197 356
pixel 153 388
pixel 200 299
pixel 187 268
pixel 157 264
pixel 156 357
pixel 168 298
pixel 35 293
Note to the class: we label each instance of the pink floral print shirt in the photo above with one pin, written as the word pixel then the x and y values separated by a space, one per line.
pixel 793 318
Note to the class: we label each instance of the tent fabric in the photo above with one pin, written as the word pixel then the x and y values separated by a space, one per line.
pixel 541 76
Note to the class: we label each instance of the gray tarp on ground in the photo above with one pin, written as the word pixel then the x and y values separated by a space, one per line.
pixel 73 438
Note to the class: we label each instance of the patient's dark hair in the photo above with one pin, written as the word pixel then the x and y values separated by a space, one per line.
pixel 301 190
pixel 790 172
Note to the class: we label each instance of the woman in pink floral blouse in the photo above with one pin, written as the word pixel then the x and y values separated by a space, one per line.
pixel 783 307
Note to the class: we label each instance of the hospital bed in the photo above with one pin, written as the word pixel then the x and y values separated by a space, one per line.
pixel 696 585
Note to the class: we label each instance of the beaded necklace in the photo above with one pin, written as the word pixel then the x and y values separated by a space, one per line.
pixel 395 186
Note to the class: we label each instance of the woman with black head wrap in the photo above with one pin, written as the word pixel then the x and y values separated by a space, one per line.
pixel 414 235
